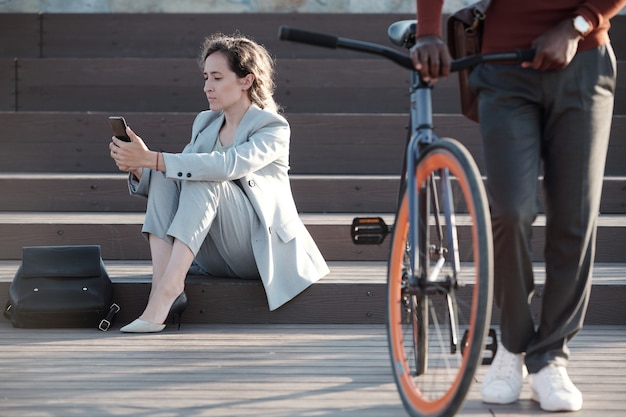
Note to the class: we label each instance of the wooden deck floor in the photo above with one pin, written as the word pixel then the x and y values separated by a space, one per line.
pixel 252 370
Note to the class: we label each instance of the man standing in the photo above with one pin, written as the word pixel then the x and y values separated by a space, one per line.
pixel 552 116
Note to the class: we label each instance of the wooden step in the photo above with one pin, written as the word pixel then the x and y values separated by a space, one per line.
pixel 175 85
pixel 353 293
pixel 327 144
pixel 133 85
pixel 37 192
pixel 151 35
pixel 83 192
pixel 8 87
pixel 120 237
pixel 180 34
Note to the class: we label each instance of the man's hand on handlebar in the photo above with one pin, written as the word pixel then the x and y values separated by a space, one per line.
pixel 431 57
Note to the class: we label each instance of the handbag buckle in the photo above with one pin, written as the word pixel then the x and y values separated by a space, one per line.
pixel 105 323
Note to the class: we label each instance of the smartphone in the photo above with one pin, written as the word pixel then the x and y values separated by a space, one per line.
pixel 118 124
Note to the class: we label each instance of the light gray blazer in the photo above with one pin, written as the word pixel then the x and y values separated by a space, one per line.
pixel 286 255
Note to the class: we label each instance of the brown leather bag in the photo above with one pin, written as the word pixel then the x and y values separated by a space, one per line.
pixel 465 32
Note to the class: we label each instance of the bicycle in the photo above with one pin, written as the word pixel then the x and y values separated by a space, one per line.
pixel 440 269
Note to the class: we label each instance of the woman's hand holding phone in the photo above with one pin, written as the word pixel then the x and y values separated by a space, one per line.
pixel 118 124
pixel 131 156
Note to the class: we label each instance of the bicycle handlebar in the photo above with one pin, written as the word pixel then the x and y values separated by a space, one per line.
pixel 330 41
pixel 334 42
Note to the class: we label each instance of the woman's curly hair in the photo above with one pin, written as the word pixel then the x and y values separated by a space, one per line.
pixel 245 57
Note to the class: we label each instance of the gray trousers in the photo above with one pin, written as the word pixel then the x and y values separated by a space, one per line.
pixel 558 123
pixel 214 219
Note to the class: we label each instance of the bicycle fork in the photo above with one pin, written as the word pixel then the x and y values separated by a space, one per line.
pixel 423 276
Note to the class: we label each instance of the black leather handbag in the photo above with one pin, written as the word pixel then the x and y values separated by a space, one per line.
pixel 61 286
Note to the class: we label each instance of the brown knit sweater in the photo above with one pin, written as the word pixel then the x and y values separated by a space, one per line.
pixel 513 24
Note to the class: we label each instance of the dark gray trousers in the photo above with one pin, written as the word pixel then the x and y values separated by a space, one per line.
pixel 556 123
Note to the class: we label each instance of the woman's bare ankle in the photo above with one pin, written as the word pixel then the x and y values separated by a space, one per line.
pixel 159 306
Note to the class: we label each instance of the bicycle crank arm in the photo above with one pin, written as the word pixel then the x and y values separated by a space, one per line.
pixel 369 230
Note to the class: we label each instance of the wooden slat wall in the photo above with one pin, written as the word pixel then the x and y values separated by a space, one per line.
pixel 7 85
pixel 352 293
pixel 20 35
pixel 175 85
pixel 55 98
pixel 115 36
pixel 172 35
pixel 313 194
pixel 180 35
pixel 617 34
pixel 109 193
pixel 120 237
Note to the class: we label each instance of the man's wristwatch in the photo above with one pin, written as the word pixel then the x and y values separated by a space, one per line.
pixel 582 26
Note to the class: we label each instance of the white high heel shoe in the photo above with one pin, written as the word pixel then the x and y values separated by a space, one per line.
pixel 141 326
pixel 177 308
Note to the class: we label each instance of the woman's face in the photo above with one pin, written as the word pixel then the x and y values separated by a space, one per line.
pixel 222 87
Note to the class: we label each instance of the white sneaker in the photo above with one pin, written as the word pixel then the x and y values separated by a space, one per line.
pixel 503 381
pixel 554 391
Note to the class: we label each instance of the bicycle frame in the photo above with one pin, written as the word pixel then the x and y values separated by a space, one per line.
pixel 420 277
pixel 421 117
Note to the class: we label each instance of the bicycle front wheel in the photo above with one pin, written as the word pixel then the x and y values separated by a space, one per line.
pixel 439 287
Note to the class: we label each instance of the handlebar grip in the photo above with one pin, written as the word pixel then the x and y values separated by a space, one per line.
pixel 464 63
pixel 526 54
pixel 519 55
pixel 286 33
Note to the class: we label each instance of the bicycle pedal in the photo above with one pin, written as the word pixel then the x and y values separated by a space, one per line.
pixel 491 345
pixel 368 230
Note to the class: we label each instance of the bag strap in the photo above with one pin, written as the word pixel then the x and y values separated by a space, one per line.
pixel 105 323
pixel 465 23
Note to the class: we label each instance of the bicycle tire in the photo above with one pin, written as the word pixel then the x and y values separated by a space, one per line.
pixel 442 398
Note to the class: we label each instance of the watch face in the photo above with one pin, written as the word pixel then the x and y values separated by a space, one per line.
pixel 581 25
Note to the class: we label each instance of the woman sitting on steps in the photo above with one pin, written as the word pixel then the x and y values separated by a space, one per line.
pixel 225 201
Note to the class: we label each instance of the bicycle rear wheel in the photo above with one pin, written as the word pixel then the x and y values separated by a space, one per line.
pixel 428 316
